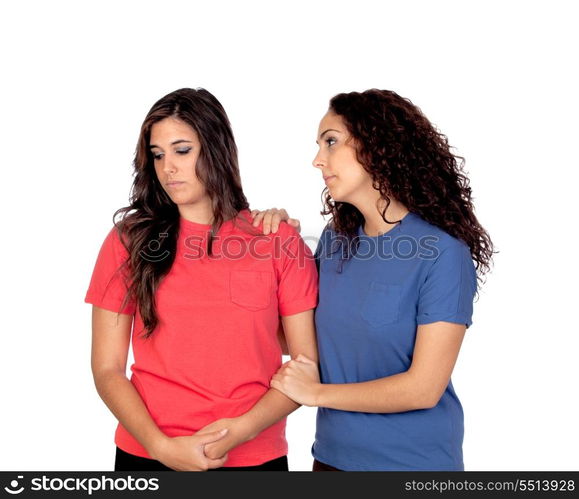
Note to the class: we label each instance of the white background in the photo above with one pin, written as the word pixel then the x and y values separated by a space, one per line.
pixel 498 78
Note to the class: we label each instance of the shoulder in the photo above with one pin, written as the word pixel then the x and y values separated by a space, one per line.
pixel 329 242
pixel 435 236
pixel 114 243
pixel 443 255
pixel 453 264
pixel 286 231
pixel 289 240
pixel 327 235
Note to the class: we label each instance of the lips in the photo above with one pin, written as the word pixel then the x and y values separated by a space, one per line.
pixel 327 178
pixel 174 182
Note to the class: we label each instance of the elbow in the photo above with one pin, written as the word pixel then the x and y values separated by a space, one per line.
pixel 428 404
pixel 425 395
pixel 429 399
pixel 100 374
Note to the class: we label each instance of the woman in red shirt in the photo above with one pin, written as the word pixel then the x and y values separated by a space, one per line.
pixel 202 292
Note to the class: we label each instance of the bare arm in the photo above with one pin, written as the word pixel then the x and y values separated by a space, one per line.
pixel 420 387
pixel 274 405
pixel 110 345
pixel 281 338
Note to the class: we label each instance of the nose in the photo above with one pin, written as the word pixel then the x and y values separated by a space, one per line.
pixel 168 166
pixel 318 161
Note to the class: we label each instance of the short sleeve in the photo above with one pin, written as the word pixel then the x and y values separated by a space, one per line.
pixel 296 272
pixel 448 291
pixel 108 284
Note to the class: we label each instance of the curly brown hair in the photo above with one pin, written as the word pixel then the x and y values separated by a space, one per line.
pixel 408 160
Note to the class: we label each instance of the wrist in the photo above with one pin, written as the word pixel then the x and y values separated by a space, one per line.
pixel 156 448
pixel 320 391
pixel 245 427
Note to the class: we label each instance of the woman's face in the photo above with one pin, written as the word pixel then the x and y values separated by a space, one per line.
pixel 175 148
pixel 345 177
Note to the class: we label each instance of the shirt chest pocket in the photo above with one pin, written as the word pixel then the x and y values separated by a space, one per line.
pixel 251 289
pixel 381 305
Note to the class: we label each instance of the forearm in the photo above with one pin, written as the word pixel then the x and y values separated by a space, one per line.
pixel 122 398
pixel 281 339
pixel 299 332
pixel 269 409
pixel 398 393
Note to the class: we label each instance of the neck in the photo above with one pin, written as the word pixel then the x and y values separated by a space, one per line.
pixel 371 209
pixel 201 213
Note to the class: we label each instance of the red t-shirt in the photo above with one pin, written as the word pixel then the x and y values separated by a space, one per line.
pixel 215 348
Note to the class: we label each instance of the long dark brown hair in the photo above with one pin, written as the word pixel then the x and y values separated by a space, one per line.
pixel 409 160
pixel 153 217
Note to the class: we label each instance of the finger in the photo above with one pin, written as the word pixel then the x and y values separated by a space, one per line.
pixel 274 383
pixel 211 451
pixel 253 213
pixel 204 431
pixel 282 369
pixel 258 218
pixel 213 436
pixel 277 218
pixel 294 222
pixel 267 221
pixel 217 463
pixel 284 365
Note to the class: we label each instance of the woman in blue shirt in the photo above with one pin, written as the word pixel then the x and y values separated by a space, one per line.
pixel 398 266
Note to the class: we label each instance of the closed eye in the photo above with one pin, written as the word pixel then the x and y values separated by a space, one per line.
pixel 178 151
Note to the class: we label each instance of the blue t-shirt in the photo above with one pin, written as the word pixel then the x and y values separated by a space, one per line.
pixel 366 325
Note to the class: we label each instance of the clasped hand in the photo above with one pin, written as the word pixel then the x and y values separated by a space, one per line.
pixel 299 380
pixel 236 435
pixel 204 450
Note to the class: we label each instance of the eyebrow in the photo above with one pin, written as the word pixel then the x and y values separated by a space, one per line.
pixel 179 141
pixel 326 131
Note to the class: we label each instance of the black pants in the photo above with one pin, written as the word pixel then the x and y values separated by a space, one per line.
pixel 319 466
pixel 129 462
